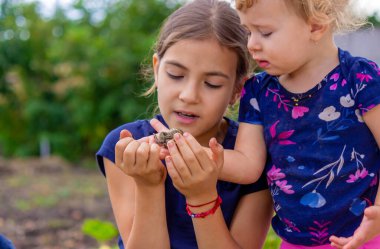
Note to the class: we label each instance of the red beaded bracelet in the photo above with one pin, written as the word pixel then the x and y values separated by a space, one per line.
pixel 204 204
pixel 218 201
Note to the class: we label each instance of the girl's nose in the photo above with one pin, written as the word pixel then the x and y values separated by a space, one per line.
pixel 190 93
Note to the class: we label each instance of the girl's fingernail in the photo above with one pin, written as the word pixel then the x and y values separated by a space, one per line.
pixel 186 134
pixel 177 137
pixel 170 144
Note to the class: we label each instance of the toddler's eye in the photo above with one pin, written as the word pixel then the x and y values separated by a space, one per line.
pixel 266 34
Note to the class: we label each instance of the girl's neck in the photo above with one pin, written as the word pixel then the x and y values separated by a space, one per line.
pixel 219 133
pixel 323 60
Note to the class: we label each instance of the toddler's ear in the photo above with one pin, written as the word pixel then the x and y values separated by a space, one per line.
pixel 318 30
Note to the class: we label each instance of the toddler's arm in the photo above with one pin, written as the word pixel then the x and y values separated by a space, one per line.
pixel 246 162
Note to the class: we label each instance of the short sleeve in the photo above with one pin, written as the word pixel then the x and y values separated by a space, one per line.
pixel 249 110
pixel 139 129
pixel 107 149
pixel 366 76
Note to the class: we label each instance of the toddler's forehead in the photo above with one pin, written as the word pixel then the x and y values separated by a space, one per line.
pixel 298 7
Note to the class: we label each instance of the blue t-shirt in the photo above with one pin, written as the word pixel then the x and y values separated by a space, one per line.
pixel 5 243
pixel 180 226
pixel 324 161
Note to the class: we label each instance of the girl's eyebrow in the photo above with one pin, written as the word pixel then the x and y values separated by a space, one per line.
pixel 211 73
pixel 176 64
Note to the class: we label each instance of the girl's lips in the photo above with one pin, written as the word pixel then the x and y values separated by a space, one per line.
pixel 185 118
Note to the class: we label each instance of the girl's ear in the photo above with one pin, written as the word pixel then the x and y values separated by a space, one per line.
pixel 156 63
pixel 318 30
pixel 237 91
pixel 234 98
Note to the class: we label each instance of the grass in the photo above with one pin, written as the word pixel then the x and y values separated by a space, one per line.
pixel 272 241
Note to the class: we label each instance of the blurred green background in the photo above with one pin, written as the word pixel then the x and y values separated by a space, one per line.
pixel 69 77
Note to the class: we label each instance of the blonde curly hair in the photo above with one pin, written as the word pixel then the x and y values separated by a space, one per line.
pixel 338 13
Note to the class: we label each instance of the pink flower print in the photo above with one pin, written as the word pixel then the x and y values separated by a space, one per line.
pixel 299 111
pixel 274 174
pixel 320 232
pixel 272 129
pixel 334 86
pixel 359 174
pixel 283 136
pixel 373 182
pixel 291 225
pixel 370 107
pixel 285 188
pixel 375 67
pixel 365 109
pixel 363 77
pixel 243 92
pixel 335 77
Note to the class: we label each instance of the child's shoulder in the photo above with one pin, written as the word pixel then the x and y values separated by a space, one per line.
pixel 260 77
pixel 258 80
pixel 355 64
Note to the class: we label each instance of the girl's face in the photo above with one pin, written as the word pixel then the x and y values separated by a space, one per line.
pixel 279 40
pixel 195 82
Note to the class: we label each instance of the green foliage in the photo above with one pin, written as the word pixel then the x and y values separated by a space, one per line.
pixel 101 231
pixel 375 19
pixel 272 240
pixel 71 80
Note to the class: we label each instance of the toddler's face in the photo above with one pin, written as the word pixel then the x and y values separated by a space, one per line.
pixel 195 82
pixel 279 39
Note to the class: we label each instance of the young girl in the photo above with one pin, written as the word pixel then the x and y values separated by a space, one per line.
pixel 315 112
pixel 199 65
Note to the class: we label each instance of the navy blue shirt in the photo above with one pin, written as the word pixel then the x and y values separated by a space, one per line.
pixel 180 226
pixel 5 243
pixel 324 161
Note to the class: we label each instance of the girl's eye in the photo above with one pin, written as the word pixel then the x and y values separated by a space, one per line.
pixel 213 86
pixel 174 77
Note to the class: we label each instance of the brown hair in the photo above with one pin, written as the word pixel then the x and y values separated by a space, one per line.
pixel 204 19
pixel 338 13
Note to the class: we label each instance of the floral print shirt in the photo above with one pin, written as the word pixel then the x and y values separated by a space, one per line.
pixel 323 161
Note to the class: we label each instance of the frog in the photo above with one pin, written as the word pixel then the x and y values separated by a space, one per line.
pixel 163 137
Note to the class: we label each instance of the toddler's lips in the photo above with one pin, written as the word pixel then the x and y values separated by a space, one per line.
pixel 263 64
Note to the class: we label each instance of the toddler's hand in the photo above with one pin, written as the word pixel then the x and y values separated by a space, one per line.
pixel 368 229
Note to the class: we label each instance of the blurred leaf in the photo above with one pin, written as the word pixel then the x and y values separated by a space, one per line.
pixel 101 231
pixel 72 80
